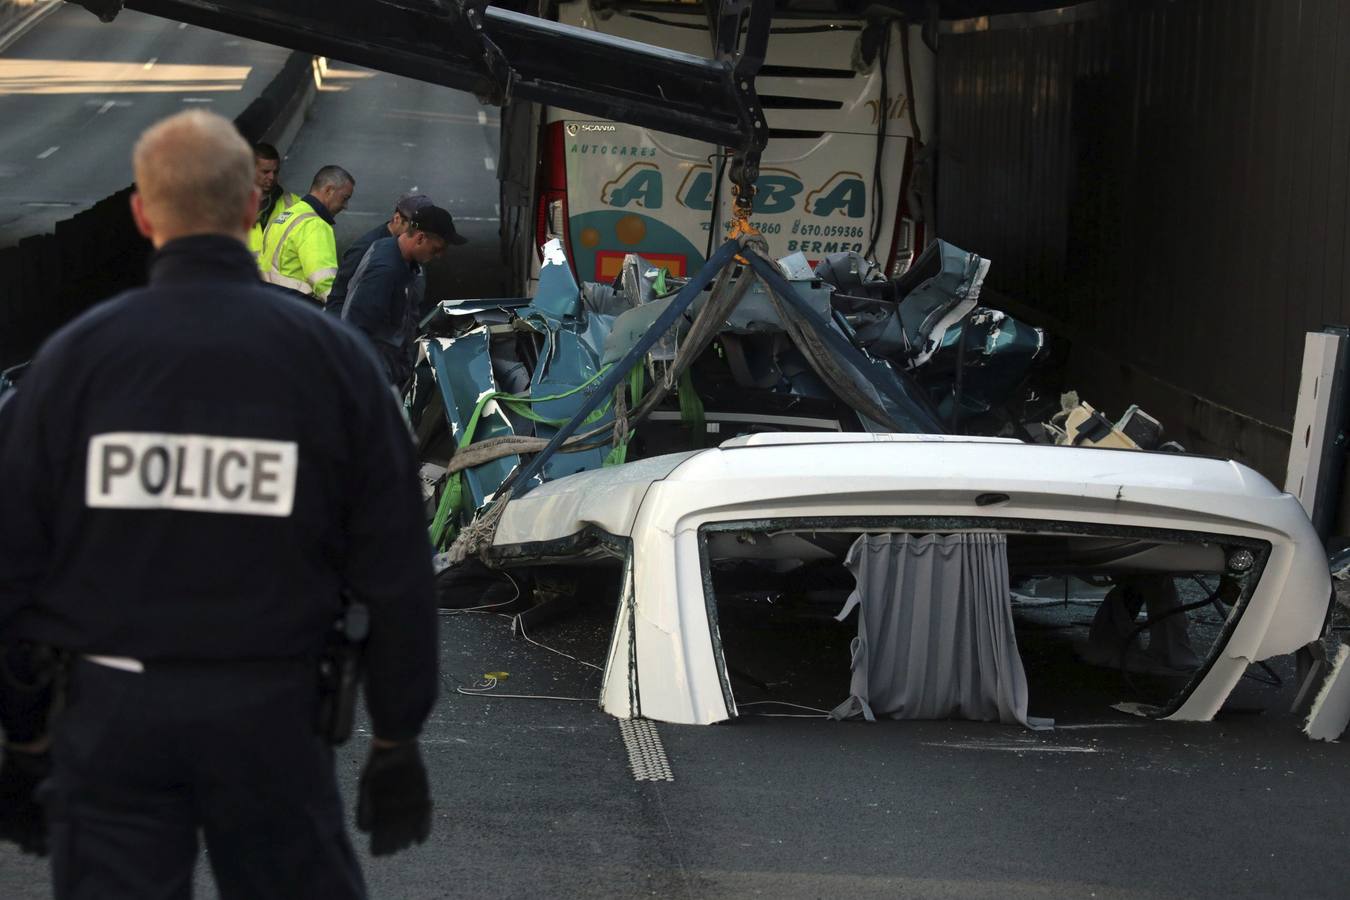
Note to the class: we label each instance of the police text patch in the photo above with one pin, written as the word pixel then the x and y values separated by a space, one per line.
pixel 198 472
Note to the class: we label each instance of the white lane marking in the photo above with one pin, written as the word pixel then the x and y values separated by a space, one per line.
pixel 489 163
pixel 150 64
pixel 482 117
pixel 406 144
pixel 198 100
pixel 1012 748
pixel 48 152
pixel 107 105
pixel 182 25
pixel 413 189
pixel 646 754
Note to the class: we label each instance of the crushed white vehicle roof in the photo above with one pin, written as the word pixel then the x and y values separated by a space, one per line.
pixel 658 514
pixel 546 400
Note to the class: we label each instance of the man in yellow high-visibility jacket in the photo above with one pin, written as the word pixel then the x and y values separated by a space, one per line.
pixel 273 200
pixel 299 249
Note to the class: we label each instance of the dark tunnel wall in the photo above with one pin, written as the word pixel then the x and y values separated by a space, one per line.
pixel 49 279
pixel 1167 182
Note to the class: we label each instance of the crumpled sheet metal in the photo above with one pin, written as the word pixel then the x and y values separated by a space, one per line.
pixel 938 290
pixel 463 369
pixel 571 361
pixel 557 297
pixel 1000 351
pixel 931 297
pixel 570 356
pixel 755 314
pixel 1330 711
pixel 583 329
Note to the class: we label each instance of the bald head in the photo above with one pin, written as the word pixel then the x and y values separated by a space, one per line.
pixel 194 175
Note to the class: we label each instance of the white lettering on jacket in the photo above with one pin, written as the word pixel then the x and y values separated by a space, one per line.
pixel 196 472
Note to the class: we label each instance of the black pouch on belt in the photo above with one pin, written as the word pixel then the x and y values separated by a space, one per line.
pixel 32 689
pixel 340 672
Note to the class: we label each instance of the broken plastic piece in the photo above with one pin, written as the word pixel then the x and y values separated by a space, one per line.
pixel 1330 713
pixel 1081 425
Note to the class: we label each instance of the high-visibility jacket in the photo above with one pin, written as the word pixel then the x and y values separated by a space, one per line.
pixel 266 218
pixel 300 252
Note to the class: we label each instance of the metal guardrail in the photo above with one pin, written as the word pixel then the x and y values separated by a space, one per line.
pixel 15 15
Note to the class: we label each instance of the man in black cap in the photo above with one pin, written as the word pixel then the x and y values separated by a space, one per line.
pixel 381 300
pixel 352 256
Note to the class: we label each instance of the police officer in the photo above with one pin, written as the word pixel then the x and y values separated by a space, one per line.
pixel 26 699
pixel 193 473
pixel 299 251
pixel 273 200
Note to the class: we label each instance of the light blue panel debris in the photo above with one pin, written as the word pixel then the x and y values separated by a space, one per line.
pixel 938 290
pixel 572 361
pixel 557 297
pixel 463 374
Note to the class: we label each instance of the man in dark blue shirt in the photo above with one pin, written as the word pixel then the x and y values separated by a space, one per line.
pixel 404 209
pixel 193 473
pixel 380 300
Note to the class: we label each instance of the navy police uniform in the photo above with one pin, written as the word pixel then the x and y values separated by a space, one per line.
pixel 193 472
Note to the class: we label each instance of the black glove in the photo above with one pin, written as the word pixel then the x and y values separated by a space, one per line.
pixel 394 806
pixel 21 816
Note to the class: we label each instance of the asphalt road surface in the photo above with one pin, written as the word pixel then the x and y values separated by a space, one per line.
pixel 75 93
pixel 535 797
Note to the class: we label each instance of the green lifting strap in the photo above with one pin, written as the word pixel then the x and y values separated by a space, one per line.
pixel 692 415
pixel 519 481
pixel 637 386
pixel 452 497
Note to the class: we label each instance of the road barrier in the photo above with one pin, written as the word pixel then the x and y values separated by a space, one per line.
pixel 17 16
pixel 49 279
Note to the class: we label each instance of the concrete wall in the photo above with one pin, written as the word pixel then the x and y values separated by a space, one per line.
pixel 14 14
pixel 49 279
pixel 1166 183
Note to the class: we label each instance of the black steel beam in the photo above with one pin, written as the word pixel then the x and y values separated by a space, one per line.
pixel 559 65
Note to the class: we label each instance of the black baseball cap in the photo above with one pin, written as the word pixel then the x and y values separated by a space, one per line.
pixel 434 220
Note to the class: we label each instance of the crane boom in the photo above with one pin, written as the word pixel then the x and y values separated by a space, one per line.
pixel 499 54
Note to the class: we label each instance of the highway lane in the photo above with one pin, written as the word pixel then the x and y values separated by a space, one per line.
pixel 395 135
pixel 75 93
pixel 534 798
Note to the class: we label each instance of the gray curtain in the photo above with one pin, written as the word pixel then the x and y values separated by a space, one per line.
pixel 935 630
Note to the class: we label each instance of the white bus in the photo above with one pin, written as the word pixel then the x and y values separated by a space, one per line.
pixel 836 174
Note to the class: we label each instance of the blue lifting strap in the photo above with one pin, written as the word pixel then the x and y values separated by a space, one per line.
pixel 915 413
pixel 520 484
